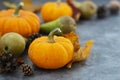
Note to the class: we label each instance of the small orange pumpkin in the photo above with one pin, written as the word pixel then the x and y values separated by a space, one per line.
pixel 19 21
pixel 51 53
pixel 53 10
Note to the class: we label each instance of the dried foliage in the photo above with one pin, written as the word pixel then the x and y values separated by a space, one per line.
pixel 82 54
pixel 76 11
pixel 74 39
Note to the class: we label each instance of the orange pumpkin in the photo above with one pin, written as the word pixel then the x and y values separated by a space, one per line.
pixel 53 10
pixel 19 21
pixel 51 53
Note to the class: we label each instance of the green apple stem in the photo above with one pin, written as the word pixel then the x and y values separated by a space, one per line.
pixel 16 13
pixel 52 33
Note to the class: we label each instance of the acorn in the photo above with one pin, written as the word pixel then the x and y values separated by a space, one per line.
pixel 114 7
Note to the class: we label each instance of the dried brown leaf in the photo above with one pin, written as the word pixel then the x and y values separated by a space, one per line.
pixel 74 39
pixel 82 54
pixel 76 11
pixel 30 6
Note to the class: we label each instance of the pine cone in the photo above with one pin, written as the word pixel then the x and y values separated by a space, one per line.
pixel 101 12
pixel 8 62
pixel 32 37
pixel 26 69
pixel 1 70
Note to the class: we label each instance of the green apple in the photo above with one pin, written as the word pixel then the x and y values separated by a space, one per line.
pixel 65 23
pixel 88 9
pixel 12 42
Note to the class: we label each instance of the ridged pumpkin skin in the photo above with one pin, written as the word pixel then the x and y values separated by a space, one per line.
pixel 51 55
pixel 25 24
pixel 53 10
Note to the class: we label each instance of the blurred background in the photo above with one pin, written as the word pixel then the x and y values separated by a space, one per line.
pixel 98 2
pixel 104 61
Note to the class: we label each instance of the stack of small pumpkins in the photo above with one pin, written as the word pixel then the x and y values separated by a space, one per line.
pixel 48 52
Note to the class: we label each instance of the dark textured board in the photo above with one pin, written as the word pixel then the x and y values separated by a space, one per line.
pixel 104 61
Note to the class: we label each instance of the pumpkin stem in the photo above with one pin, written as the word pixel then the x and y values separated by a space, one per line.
pixel 52 33
pixel 16 13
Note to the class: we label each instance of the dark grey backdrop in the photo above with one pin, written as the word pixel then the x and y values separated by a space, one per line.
pixel 104 61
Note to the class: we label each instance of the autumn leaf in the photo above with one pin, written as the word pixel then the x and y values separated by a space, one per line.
pixel 76 11
pixel 28 5
pixel 27 2
pixel 82 54
pixel 74 39
pixel 10 5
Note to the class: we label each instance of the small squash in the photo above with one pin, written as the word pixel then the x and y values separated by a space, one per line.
pixel 51 53
pixel 53 10
pixel 19 21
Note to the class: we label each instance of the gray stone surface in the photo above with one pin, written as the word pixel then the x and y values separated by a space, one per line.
pixel 104 61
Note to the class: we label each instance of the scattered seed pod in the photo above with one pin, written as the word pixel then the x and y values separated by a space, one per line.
pixel 114 7
pixel 101 12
